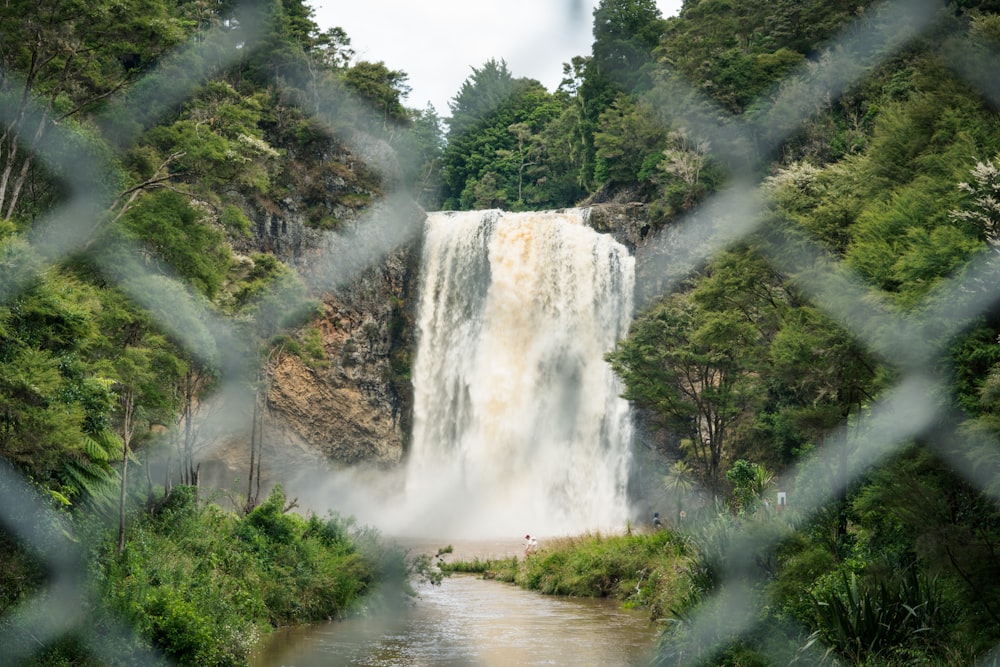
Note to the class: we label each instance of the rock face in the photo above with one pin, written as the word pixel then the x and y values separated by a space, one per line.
pixel 629 224
pixel 356 405
pixel 664 255
pixel 352 401
pixel 626 222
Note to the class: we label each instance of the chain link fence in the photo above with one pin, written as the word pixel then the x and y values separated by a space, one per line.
pixel 910 409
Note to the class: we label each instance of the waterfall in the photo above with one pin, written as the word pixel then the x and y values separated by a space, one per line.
pixel 518 422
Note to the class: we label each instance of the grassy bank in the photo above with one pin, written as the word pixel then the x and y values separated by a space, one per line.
pixel 643 571
pixel 197 585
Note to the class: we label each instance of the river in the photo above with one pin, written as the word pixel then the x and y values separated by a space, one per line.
pixel 469 621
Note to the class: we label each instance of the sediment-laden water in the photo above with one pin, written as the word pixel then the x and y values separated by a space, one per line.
pixel 470 622
pixel 518 421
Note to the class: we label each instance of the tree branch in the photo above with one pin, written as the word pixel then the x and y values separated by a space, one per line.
pixel 156 180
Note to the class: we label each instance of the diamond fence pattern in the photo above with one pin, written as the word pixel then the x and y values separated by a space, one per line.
pixel 912 408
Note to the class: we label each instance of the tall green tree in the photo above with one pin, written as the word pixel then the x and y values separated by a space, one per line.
pixel 481 94
pixel 625 34
pixel 419 147
pixel 629 143
pixel 495 125
pixel 691 368
pixel 60 60
pixel 382 89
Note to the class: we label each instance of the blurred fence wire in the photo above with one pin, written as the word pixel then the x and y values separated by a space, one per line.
pixel 908 410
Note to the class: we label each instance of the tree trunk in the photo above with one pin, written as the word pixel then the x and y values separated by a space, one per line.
pixel 128 429
pixel 253 452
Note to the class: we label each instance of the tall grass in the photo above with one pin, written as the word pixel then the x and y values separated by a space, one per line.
pixel 643 571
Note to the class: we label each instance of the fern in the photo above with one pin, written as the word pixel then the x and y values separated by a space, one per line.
pixel 91 476
pixel 90 481
pixel 106 445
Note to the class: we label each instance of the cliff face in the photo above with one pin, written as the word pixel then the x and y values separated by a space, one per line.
pixel 357 406
pixel 664 256
pixel 353 404
pixel 627 222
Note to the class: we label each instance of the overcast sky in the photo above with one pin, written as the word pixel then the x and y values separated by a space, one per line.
pixel 438 42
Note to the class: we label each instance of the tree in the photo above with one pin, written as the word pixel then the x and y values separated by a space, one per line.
pixel 419 148
pixel 332 48
pixel 382 89
pixel 172 231
pixel 49 399
pixel 834 378
pixel 589 95
pixel 625 34
pixel 982 211
pixel 145 369
pixel 521 132
pixel 629 142
pixel 685 161
pixel 679 483
pixel 691 368
pixel 492 136
pixel 193 386
pixel 61 59
pixel 750 481
pixel 481 94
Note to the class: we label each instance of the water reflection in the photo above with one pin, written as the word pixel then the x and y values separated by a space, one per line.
pixel 469 621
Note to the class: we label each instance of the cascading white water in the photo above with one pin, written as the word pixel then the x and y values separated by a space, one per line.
pixel 518 423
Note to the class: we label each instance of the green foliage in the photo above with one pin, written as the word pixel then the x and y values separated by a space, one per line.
pixel 691 363
pixel 173 231
pixel 735 51
pixel 58 401
pixel 625 34
pixel 493 151
pixel 271 295
pixel 432 569
pixel 750 481
pixel 235 221
pixel 896 619
pixel 640 570
pixel 203 585
pixel 314 354
pixel 419 148
pixel 629 136
pixel 381 88
pixel 481 94
pixel 218 141
pixel 270 519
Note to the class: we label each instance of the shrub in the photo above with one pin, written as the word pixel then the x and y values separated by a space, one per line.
pixel 903 612
pixel 201 585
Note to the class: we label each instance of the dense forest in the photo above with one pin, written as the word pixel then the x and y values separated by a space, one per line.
pixel 142 145
pixel 835 338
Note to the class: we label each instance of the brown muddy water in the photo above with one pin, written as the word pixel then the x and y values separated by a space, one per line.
pixel 468 621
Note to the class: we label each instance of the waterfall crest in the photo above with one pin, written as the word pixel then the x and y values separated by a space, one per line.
pixel 518 422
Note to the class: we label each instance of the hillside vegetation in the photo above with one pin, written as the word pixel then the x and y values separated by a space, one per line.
pixel 146 149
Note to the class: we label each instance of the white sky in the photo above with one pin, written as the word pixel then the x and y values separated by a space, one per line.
pixel 438 42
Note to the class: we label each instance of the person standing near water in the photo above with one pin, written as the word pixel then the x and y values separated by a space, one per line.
pixel 530 545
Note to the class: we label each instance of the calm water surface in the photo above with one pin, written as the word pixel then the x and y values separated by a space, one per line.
pixel 470 621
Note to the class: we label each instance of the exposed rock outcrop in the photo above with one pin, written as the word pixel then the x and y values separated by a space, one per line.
pixel 627 222
pixel 355 405
pixel 353 401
